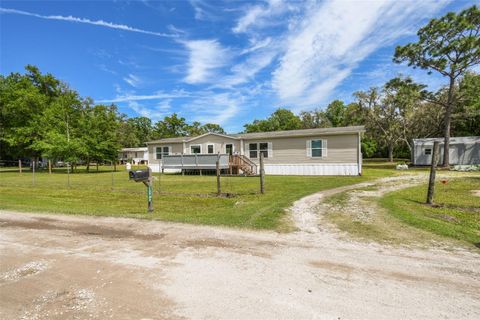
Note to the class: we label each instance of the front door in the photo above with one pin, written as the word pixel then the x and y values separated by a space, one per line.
pixel 229 149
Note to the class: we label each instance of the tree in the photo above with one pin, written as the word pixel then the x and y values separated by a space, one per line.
pixel 335 113
pixel 212 127
pixel 281 119
pixel 382 118
pixel 142 128
pixel 61 138
pixel 172 126
pixel 450 46
pixel 466 117
pixel 24 98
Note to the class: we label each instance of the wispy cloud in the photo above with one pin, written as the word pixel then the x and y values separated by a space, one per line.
pixel 155 112
pixel 205 57
pixel 215 107
pixel 261 14
pixel 133 80
pixel 127 97
pixel 100 23
pixel 203 10
pixel 329 43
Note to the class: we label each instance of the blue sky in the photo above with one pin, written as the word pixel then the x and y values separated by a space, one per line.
pixel 226 62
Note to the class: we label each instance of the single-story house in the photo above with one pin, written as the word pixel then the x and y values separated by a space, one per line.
pixel 322 151
pixel 463 150
pixel 133 155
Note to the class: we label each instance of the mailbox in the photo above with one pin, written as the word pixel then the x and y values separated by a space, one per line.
pixel 139 175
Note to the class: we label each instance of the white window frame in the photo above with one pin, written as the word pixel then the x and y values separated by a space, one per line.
pixel 213 148
pixel 233 147
pixel 162 152
pixel 324 149
pixel 258 150
pixel 195 145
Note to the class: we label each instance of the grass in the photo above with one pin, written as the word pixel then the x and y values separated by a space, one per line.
pixel 189 199
pixel 456 213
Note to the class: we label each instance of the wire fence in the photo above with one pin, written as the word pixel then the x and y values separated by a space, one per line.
pixel 111 177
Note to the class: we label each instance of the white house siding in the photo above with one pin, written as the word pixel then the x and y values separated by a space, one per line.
pixel 340 149
pixel 218 142
pixel 313 169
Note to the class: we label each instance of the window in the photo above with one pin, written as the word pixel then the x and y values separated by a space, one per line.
pixel 195 149
pixel 317 148
pixel 210 148
pixel 162 151
pixel 255 149
pixel 428 151
pixel 263 149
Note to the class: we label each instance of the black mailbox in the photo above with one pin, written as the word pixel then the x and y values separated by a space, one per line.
pixel 139 175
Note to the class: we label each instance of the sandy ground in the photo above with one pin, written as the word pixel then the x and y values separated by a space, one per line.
pixel 64 267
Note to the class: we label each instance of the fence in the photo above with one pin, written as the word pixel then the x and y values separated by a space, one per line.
pixel 114 178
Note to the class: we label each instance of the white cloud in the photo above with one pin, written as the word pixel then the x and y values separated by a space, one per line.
pixel 155 113
pixel 330 42
pixel 133 80
pixel 245 72
pixel 205 57
pixel 214 107
pixel 156 96
pixel 261 15
pixel 203 10
pixel 88 21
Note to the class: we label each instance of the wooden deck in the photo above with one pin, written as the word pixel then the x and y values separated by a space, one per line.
pixel 235 164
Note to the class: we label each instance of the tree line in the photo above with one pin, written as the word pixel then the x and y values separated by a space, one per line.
pixel 42 116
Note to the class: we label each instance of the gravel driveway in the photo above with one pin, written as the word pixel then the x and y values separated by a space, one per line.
pixel 65 267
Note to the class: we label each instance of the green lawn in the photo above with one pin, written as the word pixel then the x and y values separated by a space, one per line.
pixel 179 198
pixel 456 213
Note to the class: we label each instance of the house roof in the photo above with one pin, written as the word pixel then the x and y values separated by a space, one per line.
pixel 134 149
pixel 272 134
pixel 453 140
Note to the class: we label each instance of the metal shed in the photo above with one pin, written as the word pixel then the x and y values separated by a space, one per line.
pixel 463 150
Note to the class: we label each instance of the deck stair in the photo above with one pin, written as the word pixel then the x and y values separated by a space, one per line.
pixel 241 164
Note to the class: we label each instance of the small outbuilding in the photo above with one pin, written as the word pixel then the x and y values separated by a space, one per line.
pixel 133 155
pixel 463 151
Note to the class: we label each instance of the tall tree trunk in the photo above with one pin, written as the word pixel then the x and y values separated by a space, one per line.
pixel 97 166
pixel 448 120
pixel 390 153
pixel 88 164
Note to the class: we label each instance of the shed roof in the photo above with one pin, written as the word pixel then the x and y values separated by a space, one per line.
pixel 453 140
pixel 271 134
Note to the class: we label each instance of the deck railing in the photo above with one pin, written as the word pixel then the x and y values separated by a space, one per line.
pixel 195 161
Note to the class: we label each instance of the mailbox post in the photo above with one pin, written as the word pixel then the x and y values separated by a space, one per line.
pixel 146 177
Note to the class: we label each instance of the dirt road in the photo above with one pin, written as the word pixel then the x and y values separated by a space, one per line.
pixel 63 267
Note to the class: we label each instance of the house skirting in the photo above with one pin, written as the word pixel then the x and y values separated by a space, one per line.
pixel 313 169
pixel 307 169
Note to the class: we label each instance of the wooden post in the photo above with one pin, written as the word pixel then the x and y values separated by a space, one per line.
pixel 68 174
pixel 431 181
pixel 20 165
pixel 262 175
pixel 219 190
pixel 49 166
pixel 33 172
pixel 113 183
